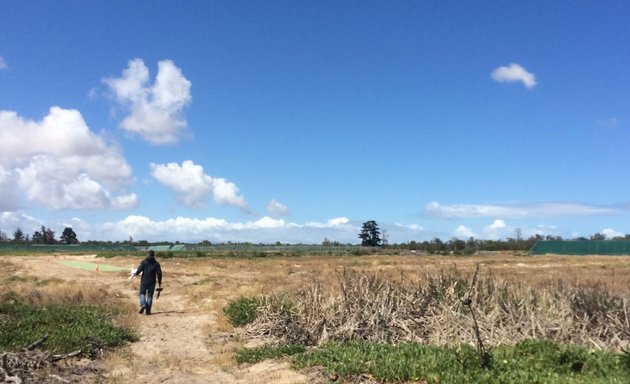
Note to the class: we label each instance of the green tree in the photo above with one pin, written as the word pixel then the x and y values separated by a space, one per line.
pixel 437 246
pixel 45 236
pixel 49 235
pixel 370 234
pixel 69 237
pixel 598 236
pixel 37 238
pixel 18 236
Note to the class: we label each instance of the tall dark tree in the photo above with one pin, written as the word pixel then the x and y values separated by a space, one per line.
pixel 598 236
pixel 45 236
pixel 69 237
pixel 37 238
pixel 49 237
pixel 18 236
pixel 370 234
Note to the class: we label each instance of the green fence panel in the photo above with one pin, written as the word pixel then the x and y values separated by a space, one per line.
pixel 582 247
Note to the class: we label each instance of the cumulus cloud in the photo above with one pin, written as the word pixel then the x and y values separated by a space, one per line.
pixel 277 209
pixel 192 185
pixel 518 210
pixel 3 64
pixel 464 232
pixel 409 227
pixel 498 224
pixel 15 220
pixel 498 229
pixel 64 165
pixel 611 233
pixel 514 72
pixel 336 222
pixel 10 199
pixel 264 230
pixel 155 111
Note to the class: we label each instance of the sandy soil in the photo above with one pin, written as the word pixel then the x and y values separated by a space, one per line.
pixel 188 340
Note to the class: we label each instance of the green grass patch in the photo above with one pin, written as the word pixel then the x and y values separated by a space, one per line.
pixel 255 355
pixel 91 266
pixel 69 327
pixel 241 311
pixel 532 361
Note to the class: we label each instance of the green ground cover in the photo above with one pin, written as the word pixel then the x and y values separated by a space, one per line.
pixel 531 361
pixel 69 327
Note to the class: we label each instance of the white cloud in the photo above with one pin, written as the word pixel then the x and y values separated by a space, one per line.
pixel 464 232
pixel 10 200
pixel 336 222
pixel 339 221
pixel 10 221
pixel 497 230
pixel 155 111
pixel 3 64
pixel 63 166
pixel 410 227
pixel 192 185
pixel 227 193
pixel 518 210
pixel 498 224
pixel 611 233
pixel 263 223
pixel 514 72
pixel 264 230
pixel 277 209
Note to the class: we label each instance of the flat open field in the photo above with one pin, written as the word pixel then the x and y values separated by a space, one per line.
pixel 188 339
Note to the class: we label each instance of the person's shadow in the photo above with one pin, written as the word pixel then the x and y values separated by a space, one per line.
pixel 165 312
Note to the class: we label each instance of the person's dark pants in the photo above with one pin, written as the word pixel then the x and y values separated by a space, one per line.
pixel 146 296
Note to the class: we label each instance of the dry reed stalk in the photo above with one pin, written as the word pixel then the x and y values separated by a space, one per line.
pixel 430 310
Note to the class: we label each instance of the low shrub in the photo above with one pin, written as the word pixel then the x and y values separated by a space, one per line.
pixel 241 311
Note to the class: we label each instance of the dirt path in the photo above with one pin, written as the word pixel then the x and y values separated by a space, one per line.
pixel 183 341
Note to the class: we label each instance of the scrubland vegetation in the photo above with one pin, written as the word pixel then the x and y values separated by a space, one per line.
pixel 443 327
pixel 500 318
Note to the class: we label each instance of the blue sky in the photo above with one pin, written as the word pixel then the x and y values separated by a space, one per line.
pixel 295 121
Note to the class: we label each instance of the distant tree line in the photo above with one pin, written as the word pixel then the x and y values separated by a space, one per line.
pixel 44 235
pixel 371 236
pixel 471 245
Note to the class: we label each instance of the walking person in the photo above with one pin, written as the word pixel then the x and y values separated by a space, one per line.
pixel 151 271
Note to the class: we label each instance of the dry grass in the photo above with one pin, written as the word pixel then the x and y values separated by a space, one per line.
pixel 429 309
pixel 52 290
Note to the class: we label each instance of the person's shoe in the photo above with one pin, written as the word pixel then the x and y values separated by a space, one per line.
pixel 148 312
pixel 142 308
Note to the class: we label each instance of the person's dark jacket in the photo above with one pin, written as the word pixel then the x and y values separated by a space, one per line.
pixel 150 269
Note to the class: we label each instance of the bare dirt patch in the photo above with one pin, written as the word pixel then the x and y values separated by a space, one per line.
pixel 188 339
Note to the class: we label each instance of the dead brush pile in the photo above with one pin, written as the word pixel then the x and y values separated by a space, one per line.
pixel 432 310
pixel 37 367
